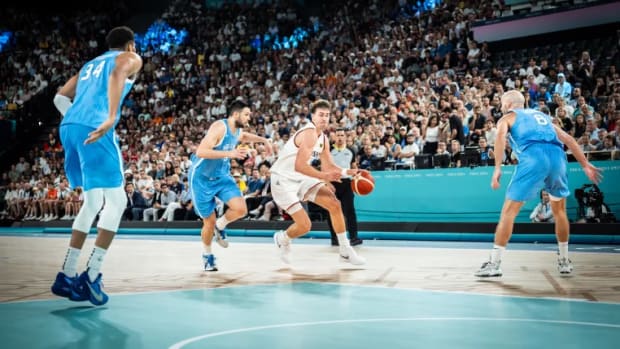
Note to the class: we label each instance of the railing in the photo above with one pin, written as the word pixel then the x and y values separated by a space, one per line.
pixel 597 155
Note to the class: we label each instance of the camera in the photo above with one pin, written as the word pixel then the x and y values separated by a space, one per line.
pixel 592 208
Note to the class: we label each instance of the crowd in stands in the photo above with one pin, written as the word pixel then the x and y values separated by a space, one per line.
pixel 410 91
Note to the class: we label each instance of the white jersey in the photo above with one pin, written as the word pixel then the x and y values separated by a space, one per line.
pixel 285 164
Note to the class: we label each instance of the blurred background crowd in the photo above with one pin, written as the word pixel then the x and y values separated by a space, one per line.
pixel 407 81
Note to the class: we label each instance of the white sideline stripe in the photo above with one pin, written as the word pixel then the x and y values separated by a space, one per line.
pixel 181 344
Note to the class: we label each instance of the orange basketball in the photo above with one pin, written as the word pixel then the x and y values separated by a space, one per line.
pixel 363 183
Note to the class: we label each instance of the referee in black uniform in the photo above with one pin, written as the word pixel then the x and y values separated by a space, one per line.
pixel 345 158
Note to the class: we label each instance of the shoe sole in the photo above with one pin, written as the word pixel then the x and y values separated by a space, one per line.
pixel 489 275
pixel 348 260
pixel 61 292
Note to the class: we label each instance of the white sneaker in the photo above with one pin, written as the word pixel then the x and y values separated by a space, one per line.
pixel 489 269
pixel 348 255
pixel 254 212
pixel 262 218
pixel 220 237
pixel 284 249
pixel 565 266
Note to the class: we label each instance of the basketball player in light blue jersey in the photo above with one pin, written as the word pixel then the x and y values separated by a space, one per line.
pixel 90 103
pixel 542 165
pixel 210 177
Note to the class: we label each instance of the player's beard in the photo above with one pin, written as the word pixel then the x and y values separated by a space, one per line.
pixel 239 124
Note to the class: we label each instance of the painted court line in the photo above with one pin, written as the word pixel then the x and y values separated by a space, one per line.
pixel 185 342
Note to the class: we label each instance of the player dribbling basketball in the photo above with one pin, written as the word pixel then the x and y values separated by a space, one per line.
pixel 294 180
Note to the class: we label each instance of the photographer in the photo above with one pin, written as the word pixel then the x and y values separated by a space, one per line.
pixel 592 208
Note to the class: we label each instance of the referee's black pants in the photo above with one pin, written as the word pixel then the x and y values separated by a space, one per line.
pixel 345 194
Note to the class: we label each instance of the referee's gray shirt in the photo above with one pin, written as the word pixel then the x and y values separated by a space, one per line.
pixel 343 158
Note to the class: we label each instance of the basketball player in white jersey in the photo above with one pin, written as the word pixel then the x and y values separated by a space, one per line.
pixel 294 180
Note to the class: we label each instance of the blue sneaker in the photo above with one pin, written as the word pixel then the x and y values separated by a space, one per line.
pixel 220 237
pixel 85 290
pixel 209 262
pixel 63 284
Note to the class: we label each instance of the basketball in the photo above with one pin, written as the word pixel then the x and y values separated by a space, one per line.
pixel 363 183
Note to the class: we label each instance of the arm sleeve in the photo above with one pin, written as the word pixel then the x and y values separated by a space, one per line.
pixel 62 103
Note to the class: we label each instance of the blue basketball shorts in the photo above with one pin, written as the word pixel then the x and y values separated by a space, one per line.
pixel 205 189
pixel 95 165
pixel 541 166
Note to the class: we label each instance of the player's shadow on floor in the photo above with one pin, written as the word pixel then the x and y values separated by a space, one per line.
pixel 91 330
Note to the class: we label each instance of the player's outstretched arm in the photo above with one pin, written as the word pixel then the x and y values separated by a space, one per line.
pixel 593 173
pixel 127 64
pixel 64 96
pixel 250 137
pixel 213 137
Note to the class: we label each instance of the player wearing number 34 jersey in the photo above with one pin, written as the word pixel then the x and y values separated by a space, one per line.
pixel 91 103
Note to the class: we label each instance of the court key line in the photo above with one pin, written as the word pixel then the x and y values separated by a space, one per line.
pixel 185 342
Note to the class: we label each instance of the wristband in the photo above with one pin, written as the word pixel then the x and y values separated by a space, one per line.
pixel 344 172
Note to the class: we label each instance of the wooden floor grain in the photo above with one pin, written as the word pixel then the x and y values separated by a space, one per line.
pixel 28 266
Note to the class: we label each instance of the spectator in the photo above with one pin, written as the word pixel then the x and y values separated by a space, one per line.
pixel 455 153
pixel 409 152
pixel 136 204
pixel 563 87
pixel 487 157
pixel 542 212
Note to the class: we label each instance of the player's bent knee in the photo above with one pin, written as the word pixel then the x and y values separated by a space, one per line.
pixel 115 203
pixel 93 200
pixel 333 204
pixel 304 225
pixel 239 210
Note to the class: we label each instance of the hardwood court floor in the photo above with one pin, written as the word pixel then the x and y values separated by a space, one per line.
pixel 28 266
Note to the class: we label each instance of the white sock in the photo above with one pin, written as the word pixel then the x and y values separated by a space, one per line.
pixel 221 223
pixel 563 246
pixel 94 263
pixel 207 249
pixel 496 253
pixel 283 238
pixel 343 241
pixel 69 267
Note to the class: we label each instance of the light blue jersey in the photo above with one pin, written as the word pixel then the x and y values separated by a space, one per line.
pixel 542 160
pixel 99 164
pixel 531 127
pixel 90 105
pixel 210 178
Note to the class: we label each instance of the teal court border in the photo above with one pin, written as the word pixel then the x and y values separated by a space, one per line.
pixel 311 315
pixel 314 234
